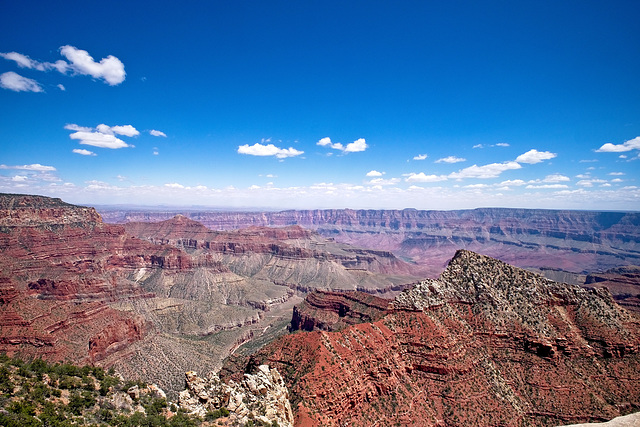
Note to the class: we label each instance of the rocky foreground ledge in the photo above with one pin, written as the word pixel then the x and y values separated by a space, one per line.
pixel 262 396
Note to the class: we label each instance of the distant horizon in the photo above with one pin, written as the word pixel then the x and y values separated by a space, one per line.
pixel 280 105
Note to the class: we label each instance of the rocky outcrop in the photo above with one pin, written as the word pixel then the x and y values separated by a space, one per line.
pixel 622 282
pixel 485 344
pixel 575 241
pixel 332 311
pixel 261 396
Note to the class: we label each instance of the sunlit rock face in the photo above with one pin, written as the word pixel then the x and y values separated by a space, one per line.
pixel 485 344
pixel 261 396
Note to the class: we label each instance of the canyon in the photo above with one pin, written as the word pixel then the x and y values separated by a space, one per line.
pixel 577 242
pixel 157 300
pixel 484 344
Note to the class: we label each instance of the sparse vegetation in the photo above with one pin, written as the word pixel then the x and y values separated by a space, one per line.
pixel 39 394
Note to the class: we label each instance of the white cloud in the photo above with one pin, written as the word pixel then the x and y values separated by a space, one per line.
pixel 157 133
pixel 478 146
pixel 502 144
pixel 354 147
pixel 547 186
pixel 103 136
pixel 590 182
pixel 83 152
pixel 126 130
pixel 422 177
pixel 258 149
pixel 62 88
pixel 111 69
pixel 72 126
pixel 382 181
pixel 556 178
pixel 98 139
pixel 616 180
pixel 491 170
pixel 632 144
pixel 19 178
pixel 617 173
pixel 514 182
pixel 451 159
pixel 476 186
pixel 375 173
pixel 534 156
pixel 23 61
pixel 17 83
pixel 420 157
pixel 33 167
pixel 174 185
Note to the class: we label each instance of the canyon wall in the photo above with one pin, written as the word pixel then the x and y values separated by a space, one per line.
pixel 574 241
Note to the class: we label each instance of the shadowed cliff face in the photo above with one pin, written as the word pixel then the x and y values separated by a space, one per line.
pixel 576 241
pixel 485 344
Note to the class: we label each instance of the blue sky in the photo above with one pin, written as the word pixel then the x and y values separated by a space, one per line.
pixel 322 104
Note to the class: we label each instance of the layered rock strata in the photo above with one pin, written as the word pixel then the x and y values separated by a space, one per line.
pixel 622 282
pixel 332 311
pixel 575 241
pixel 485 344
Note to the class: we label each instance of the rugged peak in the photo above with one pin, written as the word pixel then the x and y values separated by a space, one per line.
pixel 506 296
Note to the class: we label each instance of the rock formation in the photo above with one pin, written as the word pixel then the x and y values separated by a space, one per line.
pixel 261 396
pixel 575 241
pixel 332 311
pixel 485 344
pixel 622 282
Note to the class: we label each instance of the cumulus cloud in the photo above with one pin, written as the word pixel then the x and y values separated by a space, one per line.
pixel 632 144
pixel 556 178
pixel 33 167
pixel 353 147
pixel 420 157
pixel 534 156
pixel 422 177
pixel 451 159
pixel 83 152
pixel 375 173
pixel 102 136
pixel 356 146
pixel 157 133
pixel 110 69
pixel 258 149
pixel 19 178
pixel 491 170
pixel 174 185
pixel 17 83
